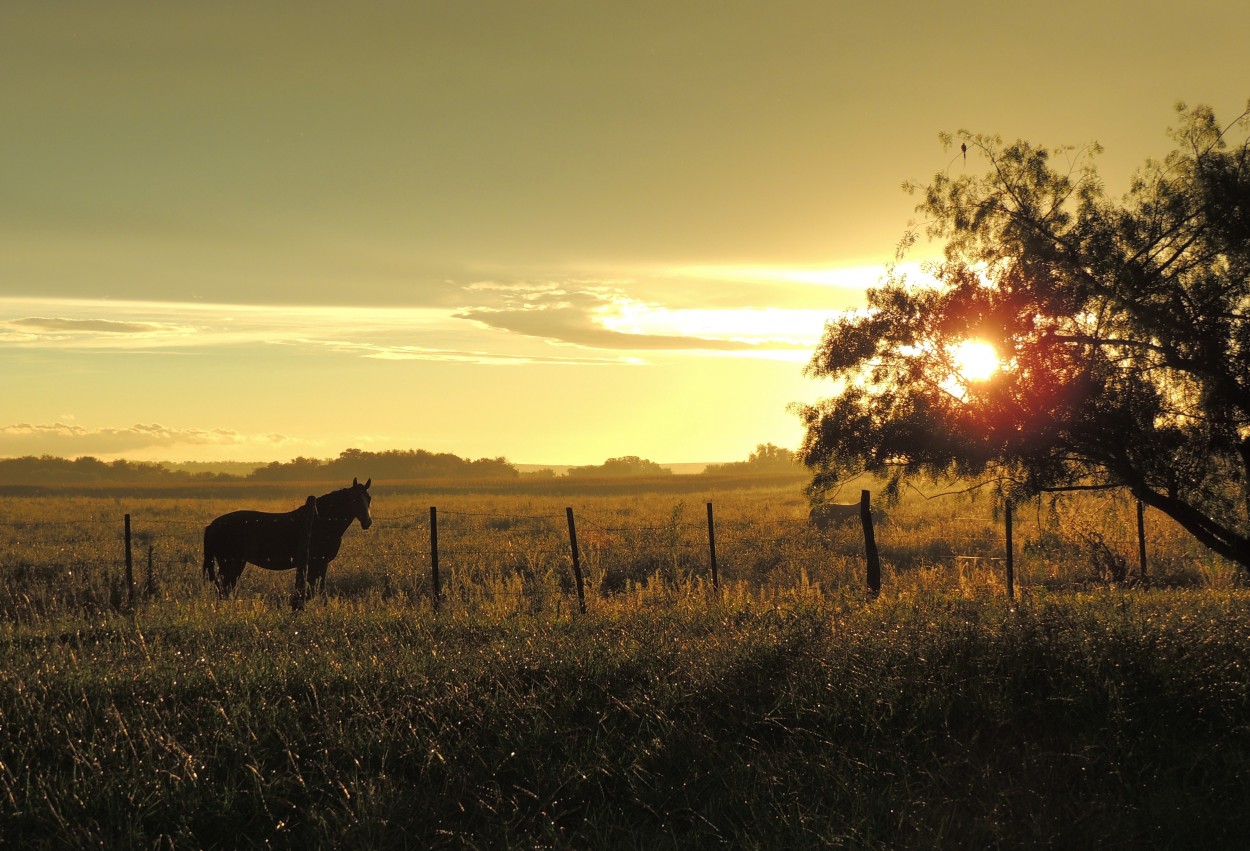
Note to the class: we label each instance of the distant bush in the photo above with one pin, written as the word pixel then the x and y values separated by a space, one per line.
pixel 628 465
pixel 767 458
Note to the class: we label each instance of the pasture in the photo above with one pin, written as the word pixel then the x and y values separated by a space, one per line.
pixel 780 709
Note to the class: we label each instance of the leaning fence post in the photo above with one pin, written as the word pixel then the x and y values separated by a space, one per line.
pixel 438 592
pixel 130 566
pixel 577 562
pixel 1011 564
pixel 711 545
pixel 870 544
pixel 1141 537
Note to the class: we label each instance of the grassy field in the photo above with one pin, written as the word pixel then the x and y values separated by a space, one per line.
pixel 780 710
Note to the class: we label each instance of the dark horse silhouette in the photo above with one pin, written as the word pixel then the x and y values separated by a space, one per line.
pixel 306 539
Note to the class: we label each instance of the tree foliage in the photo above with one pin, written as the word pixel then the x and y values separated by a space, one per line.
pixel 1122 329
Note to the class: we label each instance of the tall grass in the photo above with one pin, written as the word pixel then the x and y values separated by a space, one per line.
pixel 65 554
pixel 780 710
pixel 1083 721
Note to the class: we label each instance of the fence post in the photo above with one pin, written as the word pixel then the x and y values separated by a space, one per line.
pixel 870 544
pixel 711 545
pixel 577 562
pixel 438 591
pixel 130 567
pixel 1141 537
pixel 1011 564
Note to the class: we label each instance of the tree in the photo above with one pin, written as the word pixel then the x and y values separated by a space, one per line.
pixel 1122 331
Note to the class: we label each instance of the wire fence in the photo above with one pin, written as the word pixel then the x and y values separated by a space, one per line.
pixel 108 557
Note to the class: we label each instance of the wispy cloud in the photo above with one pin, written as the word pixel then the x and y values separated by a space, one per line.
pixel 68 332
pixel 856 278
pixel 107 326
pixel 610 317
pixel 70 440
pixel 401 353
pixel 51 326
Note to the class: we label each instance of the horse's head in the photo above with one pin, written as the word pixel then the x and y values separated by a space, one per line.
pixel 360 500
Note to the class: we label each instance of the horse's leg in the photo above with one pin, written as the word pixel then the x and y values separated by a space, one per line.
pixel 229 574
pixel 317 577
pixel 210 573
pixel 301 586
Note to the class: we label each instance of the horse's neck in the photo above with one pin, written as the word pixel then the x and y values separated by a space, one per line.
pixel 334 510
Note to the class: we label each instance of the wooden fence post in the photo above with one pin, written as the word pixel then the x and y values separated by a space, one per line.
pixel 1011 565
pixel 1141 538
pixel 577 562
pixel 711 545
pixel 130 567
pixel 870 544
pixel 438 591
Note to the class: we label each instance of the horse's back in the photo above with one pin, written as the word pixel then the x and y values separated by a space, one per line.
pixel 235 527
pixel 244 516
pixel 263 538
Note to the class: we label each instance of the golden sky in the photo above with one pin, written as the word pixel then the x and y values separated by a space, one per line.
pixel 554 231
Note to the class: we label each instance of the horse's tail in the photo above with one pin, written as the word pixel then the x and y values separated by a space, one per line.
pixel 210 556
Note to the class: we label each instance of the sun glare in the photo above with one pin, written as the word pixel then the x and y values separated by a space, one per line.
pixel 976 360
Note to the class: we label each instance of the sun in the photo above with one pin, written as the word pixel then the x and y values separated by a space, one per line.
pixel 976 360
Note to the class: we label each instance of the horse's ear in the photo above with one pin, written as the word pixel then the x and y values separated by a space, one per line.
pixel 368 482
pixel 354 483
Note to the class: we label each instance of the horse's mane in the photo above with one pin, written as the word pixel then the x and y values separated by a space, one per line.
pixel 330 502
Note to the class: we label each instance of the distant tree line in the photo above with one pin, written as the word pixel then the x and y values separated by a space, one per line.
pixel 51 470
pixel 392 465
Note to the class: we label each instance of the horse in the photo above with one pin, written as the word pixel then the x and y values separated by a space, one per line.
pixel 306 539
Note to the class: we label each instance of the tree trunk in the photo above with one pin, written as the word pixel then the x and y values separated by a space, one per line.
pixel 1215 536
